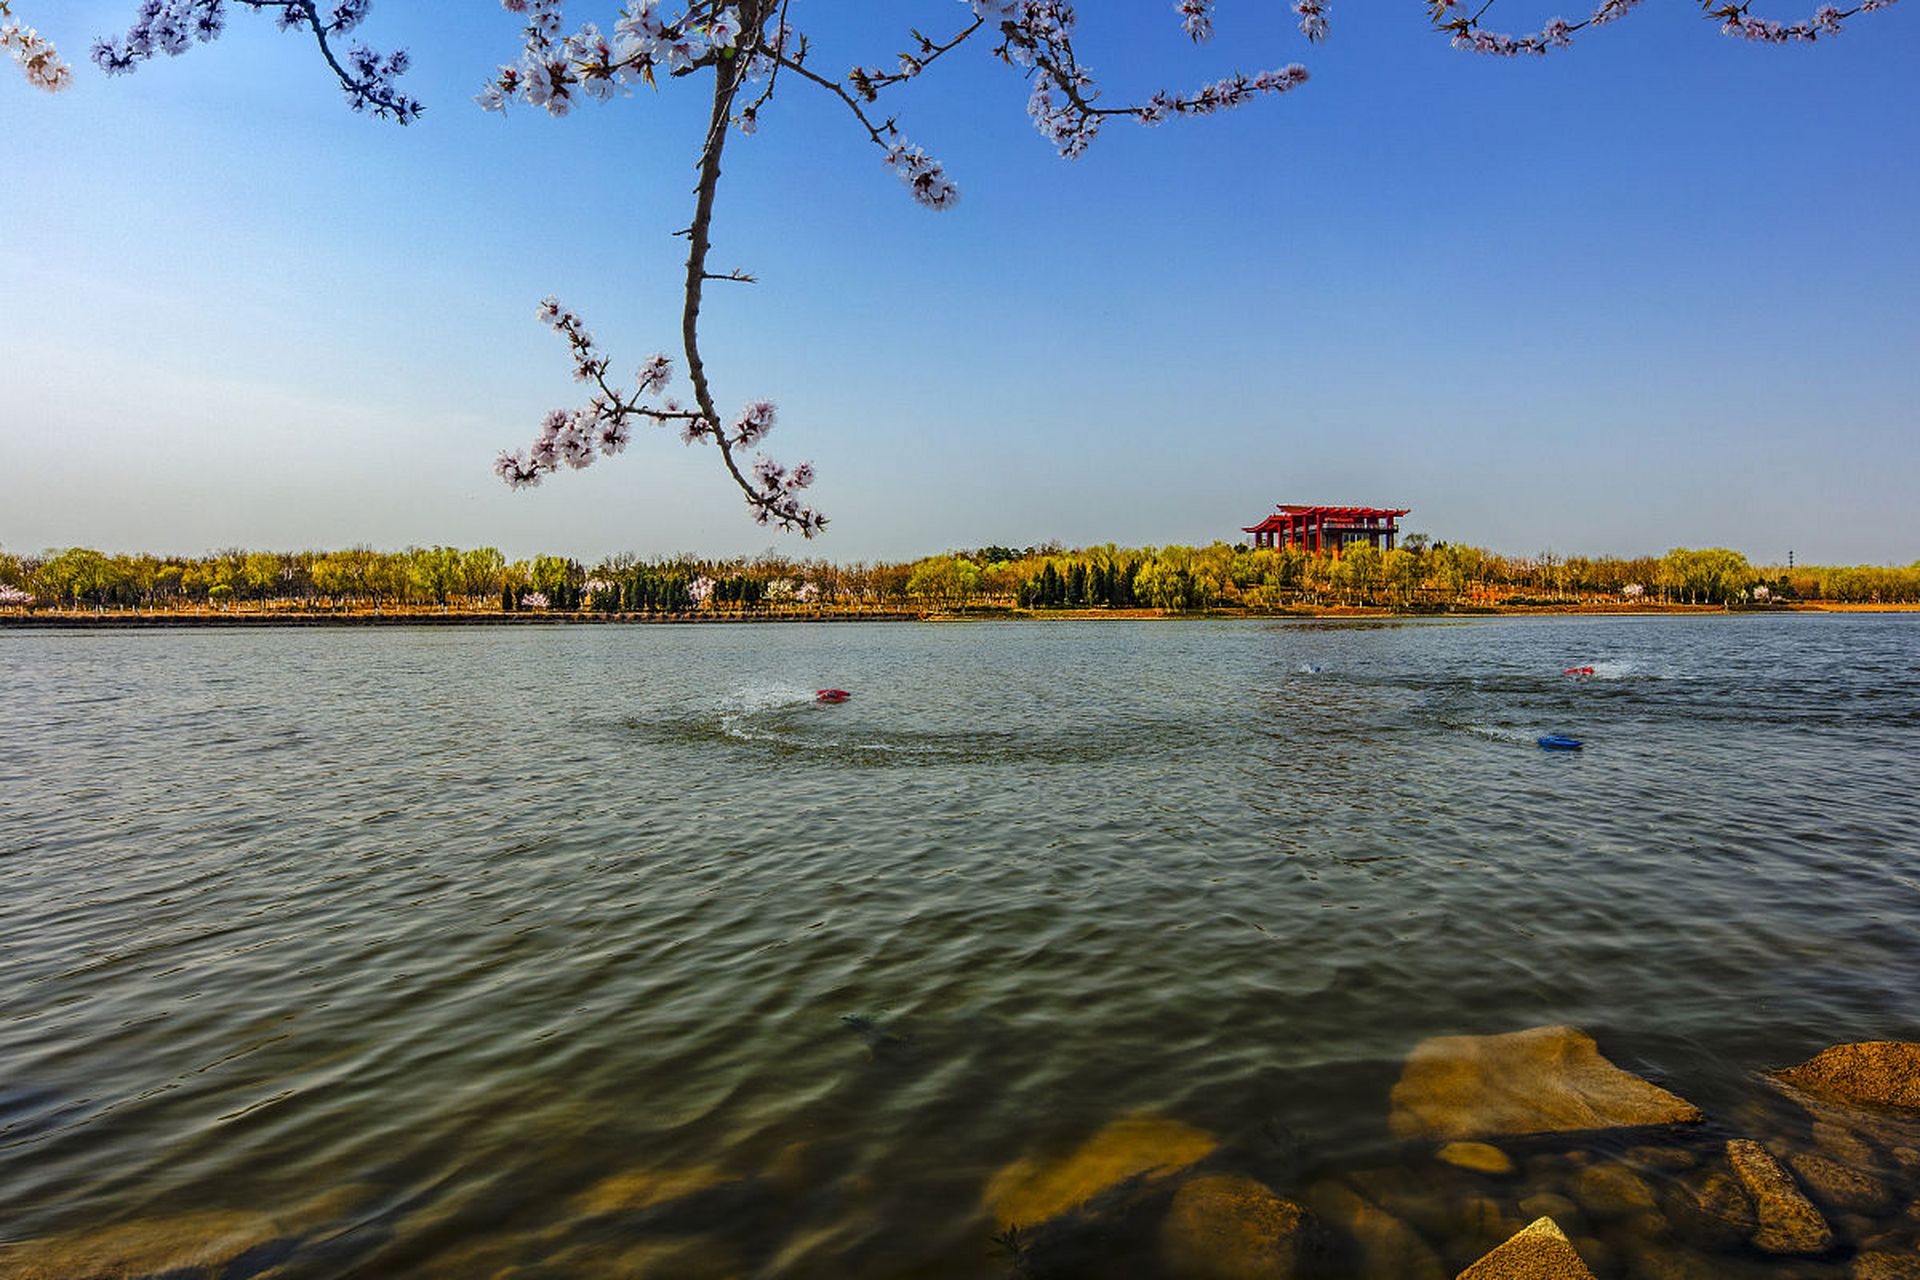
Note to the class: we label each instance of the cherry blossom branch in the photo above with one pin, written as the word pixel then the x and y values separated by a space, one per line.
pixel 39 61
pixel 549 74
pixel 867 82
pixel 773 493
pixel 174 26
pixel 1734 16
pixel 924 176
pixel 1038 36
pixel 1827 20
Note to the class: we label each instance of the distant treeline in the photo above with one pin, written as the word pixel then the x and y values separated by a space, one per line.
pixel 1176 579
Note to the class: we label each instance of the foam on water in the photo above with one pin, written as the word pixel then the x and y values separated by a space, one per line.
pixel 762 712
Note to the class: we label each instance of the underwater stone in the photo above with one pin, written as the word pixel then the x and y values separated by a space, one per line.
pixel 1844 1145
pixel 1030 1191
pixel 206 1243
pixel 1485 1222
pixel 1886 1266
pixel 1385 1245
pixel 191 1244
pixel 1479 1157
pixel 1609 1190
pixel 1547 1204
pixel 637 1190
pixel 1663 1265
pixel 1228 1227
pixel 1787 1220
pixel 1714 1209
pixel 1668 1158
pixel 1838 1187
pixel 1542 1080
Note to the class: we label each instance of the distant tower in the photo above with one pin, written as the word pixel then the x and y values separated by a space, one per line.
pixel 1789 557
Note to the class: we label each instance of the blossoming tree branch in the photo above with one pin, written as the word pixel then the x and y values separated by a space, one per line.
pixel 746 50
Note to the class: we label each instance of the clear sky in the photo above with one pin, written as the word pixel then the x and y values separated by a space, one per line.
pixel 1659 289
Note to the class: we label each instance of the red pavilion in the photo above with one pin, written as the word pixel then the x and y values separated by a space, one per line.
pixel 1328 530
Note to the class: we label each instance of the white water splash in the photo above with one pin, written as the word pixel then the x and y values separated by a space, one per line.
pixel 1501 733
pixel 751 712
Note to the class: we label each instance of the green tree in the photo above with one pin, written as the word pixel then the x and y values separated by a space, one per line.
pixel 1359 571
pixel 259 575
pixel 483 571
pixel 945 580
pixel 1400 570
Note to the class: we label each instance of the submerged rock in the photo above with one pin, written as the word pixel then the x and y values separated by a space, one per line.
pixel 1478 1157
pixel 1843 1144
pixel 1408 1197
pixel 1484 1222
pixel 1611 1190
pixel 1787 1222
pixel 637 1190
pixel 208 1243
pixel 1670 1159
pixel 1713 1210
pixel 1147 1147
pixel 1880 1073
pixel 1838 1187
pixel 191 1244
pixel 1885 1266
pixel 1383 1245
pixel 1543 1080
pixel 1547 1204
pixel 1540 1251
pixel 669 1258
pixel 1228 1227
pixel 1663 1264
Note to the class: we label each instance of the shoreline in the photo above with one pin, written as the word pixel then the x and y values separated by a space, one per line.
pixel 51 620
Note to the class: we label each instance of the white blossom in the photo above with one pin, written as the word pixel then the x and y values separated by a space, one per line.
pixel 39 61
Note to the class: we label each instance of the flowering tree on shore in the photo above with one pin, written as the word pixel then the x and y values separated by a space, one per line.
pixel 744 51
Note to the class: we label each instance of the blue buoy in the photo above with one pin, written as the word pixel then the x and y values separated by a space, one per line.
pixel 1558 742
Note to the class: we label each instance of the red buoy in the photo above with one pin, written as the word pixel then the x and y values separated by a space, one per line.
pixel 831 695
pixel 1577 671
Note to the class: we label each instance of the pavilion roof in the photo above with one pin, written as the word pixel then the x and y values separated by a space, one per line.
pixel 1286 509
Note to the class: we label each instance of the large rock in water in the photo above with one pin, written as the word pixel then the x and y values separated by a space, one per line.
pixel 1880 1073
pixel 1145 1147
pixel 1539 1251
pixel 1227 1227
pixel 1543 1080
pixel 1788 1222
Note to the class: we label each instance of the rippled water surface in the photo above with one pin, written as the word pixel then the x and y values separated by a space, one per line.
pixel 597 951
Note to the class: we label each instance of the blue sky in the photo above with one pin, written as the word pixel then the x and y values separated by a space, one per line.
pixel 1659 289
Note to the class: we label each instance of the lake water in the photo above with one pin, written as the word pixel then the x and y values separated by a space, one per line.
pixel 607 951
